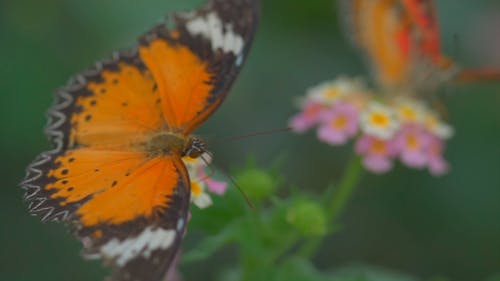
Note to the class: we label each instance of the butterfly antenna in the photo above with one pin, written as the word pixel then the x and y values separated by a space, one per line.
pixel 208 164
pixel 247 199
pixel 231 179
pixel 262 133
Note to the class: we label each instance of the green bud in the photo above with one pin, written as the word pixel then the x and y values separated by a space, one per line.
pixel 307 217
pixel 257 184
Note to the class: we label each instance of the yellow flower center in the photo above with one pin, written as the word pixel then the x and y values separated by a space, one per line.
pixel 378 147
pixel 331 93
pixel 431 122
pixel 380 119
pixel 339 122
pixel 196 189
pixel 412 142
pixel 407 113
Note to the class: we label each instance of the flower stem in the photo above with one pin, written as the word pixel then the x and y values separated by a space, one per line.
pixel 335 201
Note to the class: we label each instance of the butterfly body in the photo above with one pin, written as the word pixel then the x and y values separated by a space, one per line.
pixel 168 143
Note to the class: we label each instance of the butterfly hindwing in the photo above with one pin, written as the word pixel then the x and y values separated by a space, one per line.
pixel 144 247
pixel 126 208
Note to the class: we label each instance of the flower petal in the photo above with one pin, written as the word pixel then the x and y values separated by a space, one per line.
pixel 217 187
pixel 203 200
pixel 377 165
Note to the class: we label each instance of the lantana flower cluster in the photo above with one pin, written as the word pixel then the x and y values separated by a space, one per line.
pixel 202 183
pixel 383 128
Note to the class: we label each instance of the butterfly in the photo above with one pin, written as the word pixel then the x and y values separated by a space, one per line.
pixel 121 129
pixel 401 42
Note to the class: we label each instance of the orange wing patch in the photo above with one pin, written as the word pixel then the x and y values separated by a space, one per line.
pixel 122 186
pixel 383 32
pixel 184 82
pixel 121 109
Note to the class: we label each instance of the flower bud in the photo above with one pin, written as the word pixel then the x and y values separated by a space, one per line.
pixel 307 217
pixel 256 183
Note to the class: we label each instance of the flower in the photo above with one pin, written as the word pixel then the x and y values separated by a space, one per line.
pixel 339 124
pixel 201 181
pixel 434 124
pixel 216 187
pixel 199 196
pixel 410 110
pixel 308 118
pixel 436 163
pixel 329 92
pixel 173 273
pixel 400 127
pixel 379 120
pixel 377 153
pixel 412 143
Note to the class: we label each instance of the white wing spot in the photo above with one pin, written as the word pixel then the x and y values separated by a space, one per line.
pixel 180 224
pixel 143 245
pixel 239 60
pixel 212 28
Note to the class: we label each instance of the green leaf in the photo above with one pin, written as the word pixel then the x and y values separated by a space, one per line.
pixel 298 269
pixel 494 278
pixel 368 273
pixel 209 246
pixel 225 210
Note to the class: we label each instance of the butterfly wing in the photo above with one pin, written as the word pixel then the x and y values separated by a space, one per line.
pixel 382 31
pixel 126 208
pixel 129 207
pixel 111 110
pixel 400 39
pixel 196 62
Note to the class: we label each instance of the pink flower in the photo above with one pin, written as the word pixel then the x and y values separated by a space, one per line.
pixel 436 163
pixel 214 186
pixel 217 187
pixel 173 273
pixel 308 118
pixel 412 143
pixel 377 153
pixel 339 124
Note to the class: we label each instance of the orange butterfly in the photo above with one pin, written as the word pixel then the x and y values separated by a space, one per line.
pixel 401 41
pixel 121 128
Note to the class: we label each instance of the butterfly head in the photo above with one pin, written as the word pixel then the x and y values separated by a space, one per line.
pixel 195 147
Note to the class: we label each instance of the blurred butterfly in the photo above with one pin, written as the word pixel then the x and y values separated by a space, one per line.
pixel 120 131
pixel 401 41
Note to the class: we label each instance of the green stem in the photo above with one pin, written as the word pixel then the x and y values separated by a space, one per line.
pixel 335 204
pixel 335 201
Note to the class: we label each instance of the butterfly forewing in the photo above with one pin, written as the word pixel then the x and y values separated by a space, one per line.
pixel 196 63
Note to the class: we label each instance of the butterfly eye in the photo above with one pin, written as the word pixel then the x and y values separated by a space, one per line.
pixel 195 148
pixel 195 153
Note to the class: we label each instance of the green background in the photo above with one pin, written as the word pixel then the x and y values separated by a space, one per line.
pixel 405 221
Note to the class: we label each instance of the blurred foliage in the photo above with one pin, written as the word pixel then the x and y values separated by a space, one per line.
pixel 406 221
pixel 266 241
